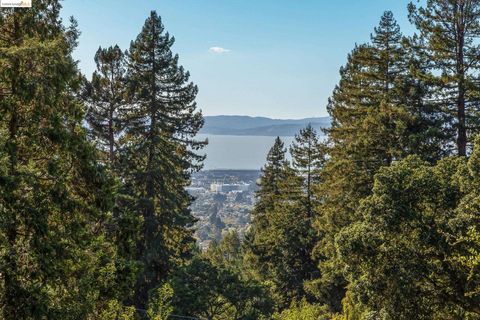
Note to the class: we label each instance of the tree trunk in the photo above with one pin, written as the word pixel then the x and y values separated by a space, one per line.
pixel 462 129
pixel 111 136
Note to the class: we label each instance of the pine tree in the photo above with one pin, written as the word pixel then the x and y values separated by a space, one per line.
pixel 106 100
pixel 226 253
pixel 278 249
pixel 160 152
pixel 270 190
pixel 369 106
pixel 272 179
pixel 105 97
pixel 448 40
pixel 55 261
pixel 308 155
pixel 271 185
pixel 376 110
pixel 428 133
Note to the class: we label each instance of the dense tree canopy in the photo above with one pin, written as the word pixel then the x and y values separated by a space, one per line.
pixel 55 198
pixel 378 220
pixel 402 257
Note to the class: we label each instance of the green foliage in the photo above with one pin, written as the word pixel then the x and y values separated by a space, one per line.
pixel 375 223
pixel 55 199
pixel 378 117
pixel 160 305
pixel 273 182
pixel 448 42
pixel 304 311
pixel 402 258
pixel 75 226
pixel 278 249
pixel 105 96
pixel 159 153
pixel 114 310
pixel 308 159
pixel 207 291
pixel 227 253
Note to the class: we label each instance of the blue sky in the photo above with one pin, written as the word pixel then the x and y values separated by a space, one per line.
pixel 283 55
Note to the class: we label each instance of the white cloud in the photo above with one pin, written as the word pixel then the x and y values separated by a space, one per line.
pixel 218 50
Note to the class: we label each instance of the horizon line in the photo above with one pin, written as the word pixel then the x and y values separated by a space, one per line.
pixel 259 116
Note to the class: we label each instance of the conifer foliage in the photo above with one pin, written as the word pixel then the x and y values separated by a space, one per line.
pixel 448 39
pixel 308 155
pixel 160 152
pixel 54 197
pixel 106 101
pixel 373 125
pixel 281 240
pixel 414 214
pixel 375 221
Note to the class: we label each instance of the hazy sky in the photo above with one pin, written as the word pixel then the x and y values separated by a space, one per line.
pixel 275 58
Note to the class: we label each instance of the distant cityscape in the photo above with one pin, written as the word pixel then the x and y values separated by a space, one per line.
pixel 223 202
pixel 225 198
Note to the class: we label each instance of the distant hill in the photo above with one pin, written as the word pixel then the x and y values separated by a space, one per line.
pixel 259 126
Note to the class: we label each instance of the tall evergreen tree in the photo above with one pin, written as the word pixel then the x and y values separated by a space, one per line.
pixel 449 34
pixel 366 108
pixel 270 190
pixel 308 159
pixel 428 133
pixel 106 99
pixel 369 106
pixel 279 246
pixel 160 152
pixel 272 180
pixel 54 260
pixel 376 111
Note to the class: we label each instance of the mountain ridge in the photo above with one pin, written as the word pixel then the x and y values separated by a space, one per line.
pixel 259 126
